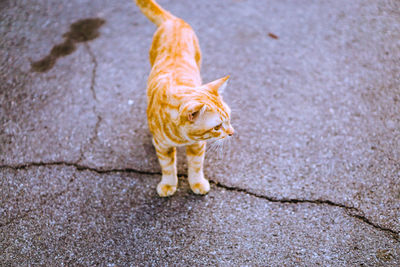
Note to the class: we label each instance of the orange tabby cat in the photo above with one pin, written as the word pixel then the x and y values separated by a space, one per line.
pixel 181 111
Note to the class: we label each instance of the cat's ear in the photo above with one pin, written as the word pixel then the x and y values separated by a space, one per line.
pixel 192 112
pixel 217 86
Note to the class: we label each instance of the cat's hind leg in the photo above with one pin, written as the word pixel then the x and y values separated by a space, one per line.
pixel 195 156
pixel 169 180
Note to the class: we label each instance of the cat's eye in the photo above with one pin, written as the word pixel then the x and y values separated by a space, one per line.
pixel 216 128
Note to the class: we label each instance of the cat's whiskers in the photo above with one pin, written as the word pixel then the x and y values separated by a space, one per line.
pixel 212 146
pixel 218 146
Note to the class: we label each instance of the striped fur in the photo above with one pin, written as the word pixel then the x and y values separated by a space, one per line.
pixel 181 111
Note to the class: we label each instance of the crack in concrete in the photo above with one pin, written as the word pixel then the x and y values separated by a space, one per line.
pixel 94 95
pixel 76 165
pixel 94 70
pixel 82 148
pixel 351 211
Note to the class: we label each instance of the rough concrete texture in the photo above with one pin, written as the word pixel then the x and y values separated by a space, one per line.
pixel 311 178
pixel 116 218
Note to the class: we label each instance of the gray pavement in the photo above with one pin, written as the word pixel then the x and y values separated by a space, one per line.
pixel 311 178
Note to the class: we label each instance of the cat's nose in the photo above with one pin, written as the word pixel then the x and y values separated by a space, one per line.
pixel 230 131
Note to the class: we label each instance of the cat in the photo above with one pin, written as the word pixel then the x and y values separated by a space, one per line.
pixel 181 111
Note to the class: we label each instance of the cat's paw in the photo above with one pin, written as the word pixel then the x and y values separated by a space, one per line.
pixel 200 188
pixel 165 190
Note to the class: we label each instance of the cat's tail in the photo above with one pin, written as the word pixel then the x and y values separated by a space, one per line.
pixel 154 11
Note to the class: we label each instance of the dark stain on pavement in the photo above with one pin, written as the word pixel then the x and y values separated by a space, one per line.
pixel 81 31
pixel 273 36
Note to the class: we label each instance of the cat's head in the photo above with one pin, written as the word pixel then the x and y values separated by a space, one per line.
pixel 204 115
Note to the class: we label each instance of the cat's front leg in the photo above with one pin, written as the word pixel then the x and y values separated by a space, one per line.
pixel 169 180
pixel 195 156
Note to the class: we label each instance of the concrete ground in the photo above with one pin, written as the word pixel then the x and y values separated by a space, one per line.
pixel 312 176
